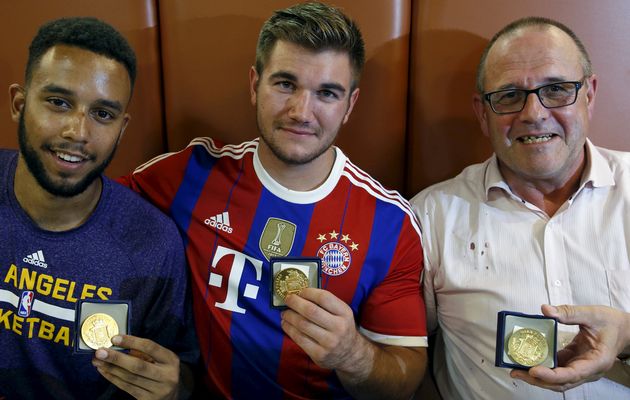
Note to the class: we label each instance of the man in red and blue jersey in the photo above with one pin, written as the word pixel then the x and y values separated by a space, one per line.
pixel 291 193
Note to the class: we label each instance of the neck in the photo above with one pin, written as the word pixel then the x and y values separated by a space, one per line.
pixel 547 194
pixel 50 212
pixel 298 177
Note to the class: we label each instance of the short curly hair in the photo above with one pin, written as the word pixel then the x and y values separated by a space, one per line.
pixel 86 33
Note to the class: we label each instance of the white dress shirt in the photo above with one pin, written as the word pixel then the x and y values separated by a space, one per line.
pixel 487 250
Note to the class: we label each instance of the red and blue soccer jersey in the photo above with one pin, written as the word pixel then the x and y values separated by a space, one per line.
pixel 235 217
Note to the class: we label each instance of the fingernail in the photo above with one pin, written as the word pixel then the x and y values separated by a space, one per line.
pixel 116 340
pixel 101 354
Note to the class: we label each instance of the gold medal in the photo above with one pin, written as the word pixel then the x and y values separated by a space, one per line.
pixel 289 281
pixel 98 329
pixel 527 347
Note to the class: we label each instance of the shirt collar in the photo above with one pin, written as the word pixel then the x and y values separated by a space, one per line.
pixel 597 172
pixel 493 178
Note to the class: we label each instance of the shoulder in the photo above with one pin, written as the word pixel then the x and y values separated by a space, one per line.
pixel 132 218
pixel 615 158
pixel 373 188
pixel 6 155
pixel 203 149
pixel 469 184
pixel 218 149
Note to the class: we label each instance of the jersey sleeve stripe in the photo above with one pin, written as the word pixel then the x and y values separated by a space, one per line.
pixel 406 341
pixel 363 176
pixel 234 151
pixel 380 196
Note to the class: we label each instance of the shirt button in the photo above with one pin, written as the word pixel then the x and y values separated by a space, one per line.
pixel 557 283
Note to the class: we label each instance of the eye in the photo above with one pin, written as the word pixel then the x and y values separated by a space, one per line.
pixel 285 86
pixel 58 102
pixel 507 96
pixel 103 115
pixel 558 90
pixel 327 94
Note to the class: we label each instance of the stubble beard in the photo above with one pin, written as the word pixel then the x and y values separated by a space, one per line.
pixel 276 148
pixel 37 169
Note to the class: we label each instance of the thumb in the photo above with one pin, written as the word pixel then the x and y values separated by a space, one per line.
pixel 566 314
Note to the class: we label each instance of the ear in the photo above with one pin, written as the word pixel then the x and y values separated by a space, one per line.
pixel 17 100
pixel 481 111
pixel 125 122
pixel 253 84
pixel 591 89
pixel 354 96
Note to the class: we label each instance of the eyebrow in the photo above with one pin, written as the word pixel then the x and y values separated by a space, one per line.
pixel 114 105
pixel 52 88
pixel 334 86
pixel 55 89
pixel 283 75
pixel 546 81
pixel 291 77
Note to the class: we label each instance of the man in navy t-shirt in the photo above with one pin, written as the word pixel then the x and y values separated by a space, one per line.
pixel 68 233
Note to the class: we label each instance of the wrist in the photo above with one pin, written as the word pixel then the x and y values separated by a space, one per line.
pixel 626 335
pixel 358 365
pixel 624 339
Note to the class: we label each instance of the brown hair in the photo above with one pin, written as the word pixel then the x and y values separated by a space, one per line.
pixel 314 26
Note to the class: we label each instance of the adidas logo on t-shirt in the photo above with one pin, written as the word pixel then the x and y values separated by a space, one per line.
pixel 220 221
pixel 37 259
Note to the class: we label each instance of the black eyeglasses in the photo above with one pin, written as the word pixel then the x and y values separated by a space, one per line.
pixel 553 95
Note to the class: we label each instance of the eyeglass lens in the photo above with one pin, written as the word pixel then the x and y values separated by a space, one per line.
pixel 552 95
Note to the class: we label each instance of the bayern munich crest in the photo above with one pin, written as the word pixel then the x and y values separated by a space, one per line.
pixel 335 256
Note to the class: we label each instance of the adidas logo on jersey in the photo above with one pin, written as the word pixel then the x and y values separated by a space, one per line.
pixel 36 259
pixel 220 221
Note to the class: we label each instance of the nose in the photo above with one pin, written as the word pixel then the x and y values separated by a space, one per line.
pixel 533 110
pixel 300 107
pixel 77 127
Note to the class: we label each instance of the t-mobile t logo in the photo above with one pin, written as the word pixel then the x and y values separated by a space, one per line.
pixel 236 272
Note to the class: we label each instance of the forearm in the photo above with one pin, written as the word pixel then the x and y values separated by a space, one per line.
pixel 381 371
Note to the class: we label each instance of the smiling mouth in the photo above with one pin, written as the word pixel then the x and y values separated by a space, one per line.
pixel 535 139
pixel 300 132
pixel 69 157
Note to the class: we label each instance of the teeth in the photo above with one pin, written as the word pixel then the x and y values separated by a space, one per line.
pixel 535 139
pixel 69 158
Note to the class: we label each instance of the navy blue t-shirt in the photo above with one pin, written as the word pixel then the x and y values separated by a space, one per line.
pixel 127 250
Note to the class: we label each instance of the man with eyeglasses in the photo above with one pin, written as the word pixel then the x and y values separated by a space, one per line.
pixel 544 220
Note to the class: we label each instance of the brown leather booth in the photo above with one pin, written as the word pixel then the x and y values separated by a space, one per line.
pixel 413 124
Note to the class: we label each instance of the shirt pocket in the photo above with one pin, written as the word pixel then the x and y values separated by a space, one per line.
pixel 619 288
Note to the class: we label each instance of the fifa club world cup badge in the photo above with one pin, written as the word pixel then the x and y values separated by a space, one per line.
pixel 26 303
pixel 277 238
